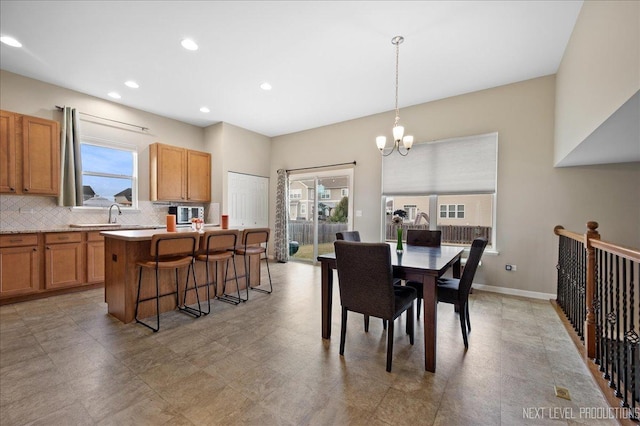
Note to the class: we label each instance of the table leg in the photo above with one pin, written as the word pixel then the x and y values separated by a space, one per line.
pixel 327 294
pixel 430 315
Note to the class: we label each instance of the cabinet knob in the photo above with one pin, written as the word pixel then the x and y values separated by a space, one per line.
pixel 26 190
pixel 12 189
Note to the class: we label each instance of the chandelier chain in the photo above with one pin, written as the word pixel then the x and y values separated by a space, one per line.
pixel 397 68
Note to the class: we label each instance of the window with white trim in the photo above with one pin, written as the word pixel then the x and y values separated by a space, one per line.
pixel 455 179
pixel 109 174
pixel 295 194
pixel 344 192
pixel 325 195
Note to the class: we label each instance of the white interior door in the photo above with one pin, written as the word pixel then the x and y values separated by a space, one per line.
pixel 248 200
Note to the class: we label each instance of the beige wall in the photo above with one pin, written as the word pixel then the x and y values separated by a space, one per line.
pixel 599 72
pixel 532 196
pixel 235 150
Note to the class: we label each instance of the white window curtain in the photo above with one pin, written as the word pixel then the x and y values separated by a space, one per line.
pixel 465 165
pixel 281 241
pixel 71 164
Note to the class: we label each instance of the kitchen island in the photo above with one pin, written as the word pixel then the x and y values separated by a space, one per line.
pixel 124 248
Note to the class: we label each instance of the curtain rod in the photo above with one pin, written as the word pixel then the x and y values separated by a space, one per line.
pixel 320 167
pixel 108 119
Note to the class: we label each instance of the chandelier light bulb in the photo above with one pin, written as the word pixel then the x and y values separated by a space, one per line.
pixel 408 142
pixel 381 141
pixel 398 132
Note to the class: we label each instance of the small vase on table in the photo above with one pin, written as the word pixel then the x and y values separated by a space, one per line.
pixel 399 248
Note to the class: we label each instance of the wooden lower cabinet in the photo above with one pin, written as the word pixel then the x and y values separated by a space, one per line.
pixel 95 257
pixel 19 260
pixel 64 260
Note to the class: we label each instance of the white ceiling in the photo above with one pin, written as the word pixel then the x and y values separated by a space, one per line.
pixel 327 61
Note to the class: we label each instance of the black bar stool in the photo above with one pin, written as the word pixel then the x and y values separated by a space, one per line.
pixel 220 247
pixel 252 244
pixel 170 251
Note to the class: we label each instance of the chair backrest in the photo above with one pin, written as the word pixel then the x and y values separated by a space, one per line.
pixel 174 244
pixel 253 236
pixel 220 240
pixel 477 248
pixel 424 238
pixel 365 278
pixel 348 236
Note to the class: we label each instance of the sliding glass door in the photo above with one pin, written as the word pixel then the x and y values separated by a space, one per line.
pixel 318 208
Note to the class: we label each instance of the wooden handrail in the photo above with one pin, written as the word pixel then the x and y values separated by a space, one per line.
pixel 622 251
pixel 560 231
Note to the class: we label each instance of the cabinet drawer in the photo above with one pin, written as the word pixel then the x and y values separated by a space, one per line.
pixel 63 237
pixel 94 236
pixel 18 240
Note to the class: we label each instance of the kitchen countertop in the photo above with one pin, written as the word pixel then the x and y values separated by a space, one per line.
pixel 68 228
pixel 146 234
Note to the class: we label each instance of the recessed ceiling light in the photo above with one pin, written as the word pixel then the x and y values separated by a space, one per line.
pixel 10 41
pixel 115 95
pixel 131 84
pixel 205 109
pixel 265 86
pixel 189 44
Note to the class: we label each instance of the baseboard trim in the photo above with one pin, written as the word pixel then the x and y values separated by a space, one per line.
pixel 514 292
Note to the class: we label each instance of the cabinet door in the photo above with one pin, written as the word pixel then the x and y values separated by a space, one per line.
pixel 168 172
pixel 41 156
pixel 18 270
pixel 64 265
pixel 198 176
pixel 95 261
pixel 7 153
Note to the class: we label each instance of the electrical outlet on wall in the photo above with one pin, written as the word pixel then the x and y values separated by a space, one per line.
pixel 510 267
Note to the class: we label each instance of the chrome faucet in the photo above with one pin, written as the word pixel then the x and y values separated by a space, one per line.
pixel 114 220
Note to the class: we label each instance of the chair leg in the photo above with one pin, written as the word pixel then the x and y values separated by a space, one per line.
pixel 463 327
pixel 270 285
pixel 419 299
pixel 389 345
pixel 157 303
pixel 366 323
pixel 410 323
pixel 188 309
pixel 343 330
pixel 467 315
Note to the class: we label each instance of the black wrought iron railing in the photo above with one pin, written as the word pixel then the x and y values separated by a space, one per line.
pixel 599 292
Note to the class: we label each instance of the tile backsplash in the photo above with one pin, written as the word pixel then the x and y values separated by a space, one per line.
pixel 29 212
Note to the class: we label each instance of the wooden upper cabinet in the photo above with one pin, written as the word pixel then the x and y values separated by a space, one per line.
pixel 7 152
pixel 41 156
pixel 30 157
pixel 179 174
pixel 198 176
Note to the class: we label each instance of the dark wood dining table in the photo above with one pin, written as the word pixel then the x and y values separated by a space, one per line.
pixel 420 264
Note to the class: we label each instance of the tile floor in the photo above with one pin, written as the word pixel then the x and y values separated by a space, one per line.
pixel 65 361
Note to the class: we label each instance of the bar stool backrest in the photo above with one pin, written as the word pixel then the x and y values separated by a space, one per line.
pixel 220 240
pixel 174 244
pixel 255 236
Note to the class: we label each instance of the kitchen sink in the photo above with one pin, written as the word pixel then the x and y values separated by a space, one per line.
pixel 95 225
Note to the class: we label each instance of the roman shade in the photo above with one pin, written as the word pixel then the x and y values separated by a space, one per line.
pixel 465 165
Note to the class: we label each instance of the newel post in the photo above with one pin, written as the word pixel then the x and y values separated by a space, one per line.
pixel 590 322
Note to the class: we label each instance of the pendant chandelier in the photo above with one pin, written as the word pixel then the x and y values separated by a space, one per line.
pixel 398 130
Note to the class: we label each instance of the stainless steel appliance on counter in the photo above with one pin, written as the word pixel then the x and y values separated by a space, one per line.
pixel 184 214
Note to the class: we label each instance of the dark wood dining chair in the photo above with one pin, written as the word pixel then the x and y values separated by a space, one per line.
pixel 422 238
pixel 365 279
pixel 456 291
pixel 348 236
pixel 355 236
